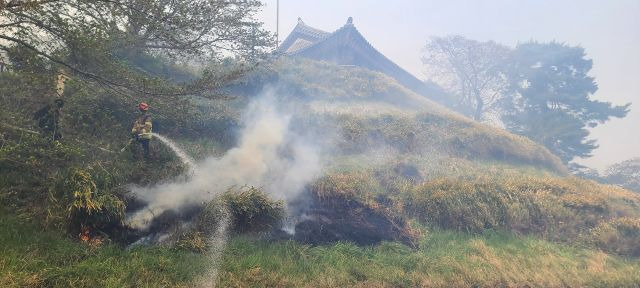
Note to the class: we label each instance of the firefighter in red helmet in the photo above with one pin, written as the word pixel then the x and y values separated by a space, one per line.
pixel 142 128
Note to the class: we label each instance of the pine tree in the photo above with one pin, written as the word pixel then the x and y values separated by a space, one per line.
pixel 551 98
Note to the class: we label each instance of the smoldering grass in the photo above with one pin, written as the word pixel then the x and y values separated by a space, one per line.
pixel 30 257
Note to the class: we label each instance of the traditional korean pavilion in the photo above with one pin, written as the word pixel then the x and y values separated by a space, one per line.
pixel 346 46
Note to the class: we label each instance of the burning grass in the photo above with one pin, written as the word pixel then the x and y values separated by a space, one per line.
pixel 250 210
pixel 253 210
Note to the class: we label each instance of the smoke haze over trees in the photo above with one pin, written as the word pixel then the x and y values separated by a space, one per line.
pixel 471 71
pixel 101 41
pixel 625 174
pixel 538 90
pixel 550 101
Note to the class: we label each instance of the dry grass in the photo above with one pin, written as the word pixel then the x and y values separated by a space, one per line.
pixel 556 208
pixel 361 109
pixel 620 235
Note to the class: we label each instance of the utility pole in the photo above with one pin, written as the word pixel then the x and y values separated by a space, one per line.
pixel 277 23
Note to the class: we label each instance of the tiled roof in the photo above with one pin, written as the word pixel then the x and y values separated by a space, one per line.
pixel 308 34
pixel 347 46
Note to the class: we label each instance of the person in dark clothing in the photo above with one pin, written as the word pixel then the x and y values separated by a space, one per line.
pixel 48 118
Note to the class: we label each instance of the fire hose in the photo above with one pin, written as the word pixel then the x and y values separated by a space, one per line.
pixel 133 140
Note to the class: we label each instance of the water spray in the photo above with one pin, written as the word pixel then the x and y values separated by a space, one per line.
pixel 268 154
pixel 186 160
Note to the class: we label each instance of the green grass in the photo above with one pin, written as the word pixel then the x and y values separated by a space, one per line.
pixel 444 258
pixel 30 257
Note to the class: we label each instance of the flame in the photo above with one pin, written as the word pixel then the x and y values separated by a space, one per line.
pixel 84 235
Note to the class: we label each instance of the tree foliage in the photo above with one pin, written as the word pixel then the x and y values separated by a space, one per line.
pixel 470 70
pixel 625 174
pixel 99 40
pixel 551 98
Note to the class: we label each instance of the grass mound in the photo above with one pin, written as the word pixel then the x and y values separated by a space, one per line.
pixel 253 210
pixel 621 236
pixel 558 208
pixel 239 210
pixel 355 109
pixel 337 212
pixel 553 208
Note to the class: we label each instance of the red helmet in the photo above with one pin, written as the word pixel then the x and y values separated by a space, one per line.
pixel 143 106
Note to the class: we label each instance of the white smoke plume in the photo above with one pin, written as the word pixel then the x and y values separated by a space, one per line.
pixel 268 155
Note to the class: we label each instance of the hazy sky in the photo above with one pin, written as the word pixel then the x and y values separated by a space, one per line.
pixel 608 30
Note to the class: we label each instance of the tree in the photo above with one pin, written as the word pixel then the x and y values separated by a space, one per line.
pixel 625 174
pixel 550 98
pixel 470 70
pixel 97 40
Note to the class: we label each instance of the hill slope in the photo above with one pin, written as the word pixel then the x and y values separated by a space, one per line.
pixel 371 109
pixel 429 197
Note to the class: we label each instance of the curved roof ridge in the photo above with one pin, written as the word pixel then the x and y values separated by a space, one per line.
pixel 336 33
pixel 376 50
pixel 304 31
pixel 325 38
pixel 302 27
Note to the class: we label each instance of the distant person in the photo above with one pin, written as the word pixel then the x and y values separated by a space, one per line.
pixel 48 118
pixel 141 130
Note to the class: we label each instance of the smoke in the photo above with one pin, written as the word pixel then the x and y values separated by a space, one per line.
pixel 269 155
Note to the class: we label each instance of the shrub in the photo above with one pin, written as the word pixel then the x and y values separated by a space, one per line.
pixel 87 204
pixel 209 219
pixel 28 163
pixel 246 209
pixel 252 210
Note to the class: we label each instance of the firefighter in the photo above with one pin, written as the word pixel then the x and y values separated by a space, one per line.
pixel 141 130
pixel 48 118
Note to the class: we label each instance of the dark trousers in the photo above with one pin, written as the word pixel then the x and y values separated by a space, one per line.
pixel 145 147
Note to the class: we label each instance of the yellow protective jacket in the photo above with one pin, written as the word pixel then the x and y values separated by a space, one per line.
pixel 142 127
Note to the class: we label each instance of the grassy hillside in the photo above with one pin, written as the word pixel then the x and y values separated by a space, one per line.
pixel 444 200
pixel 369 109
